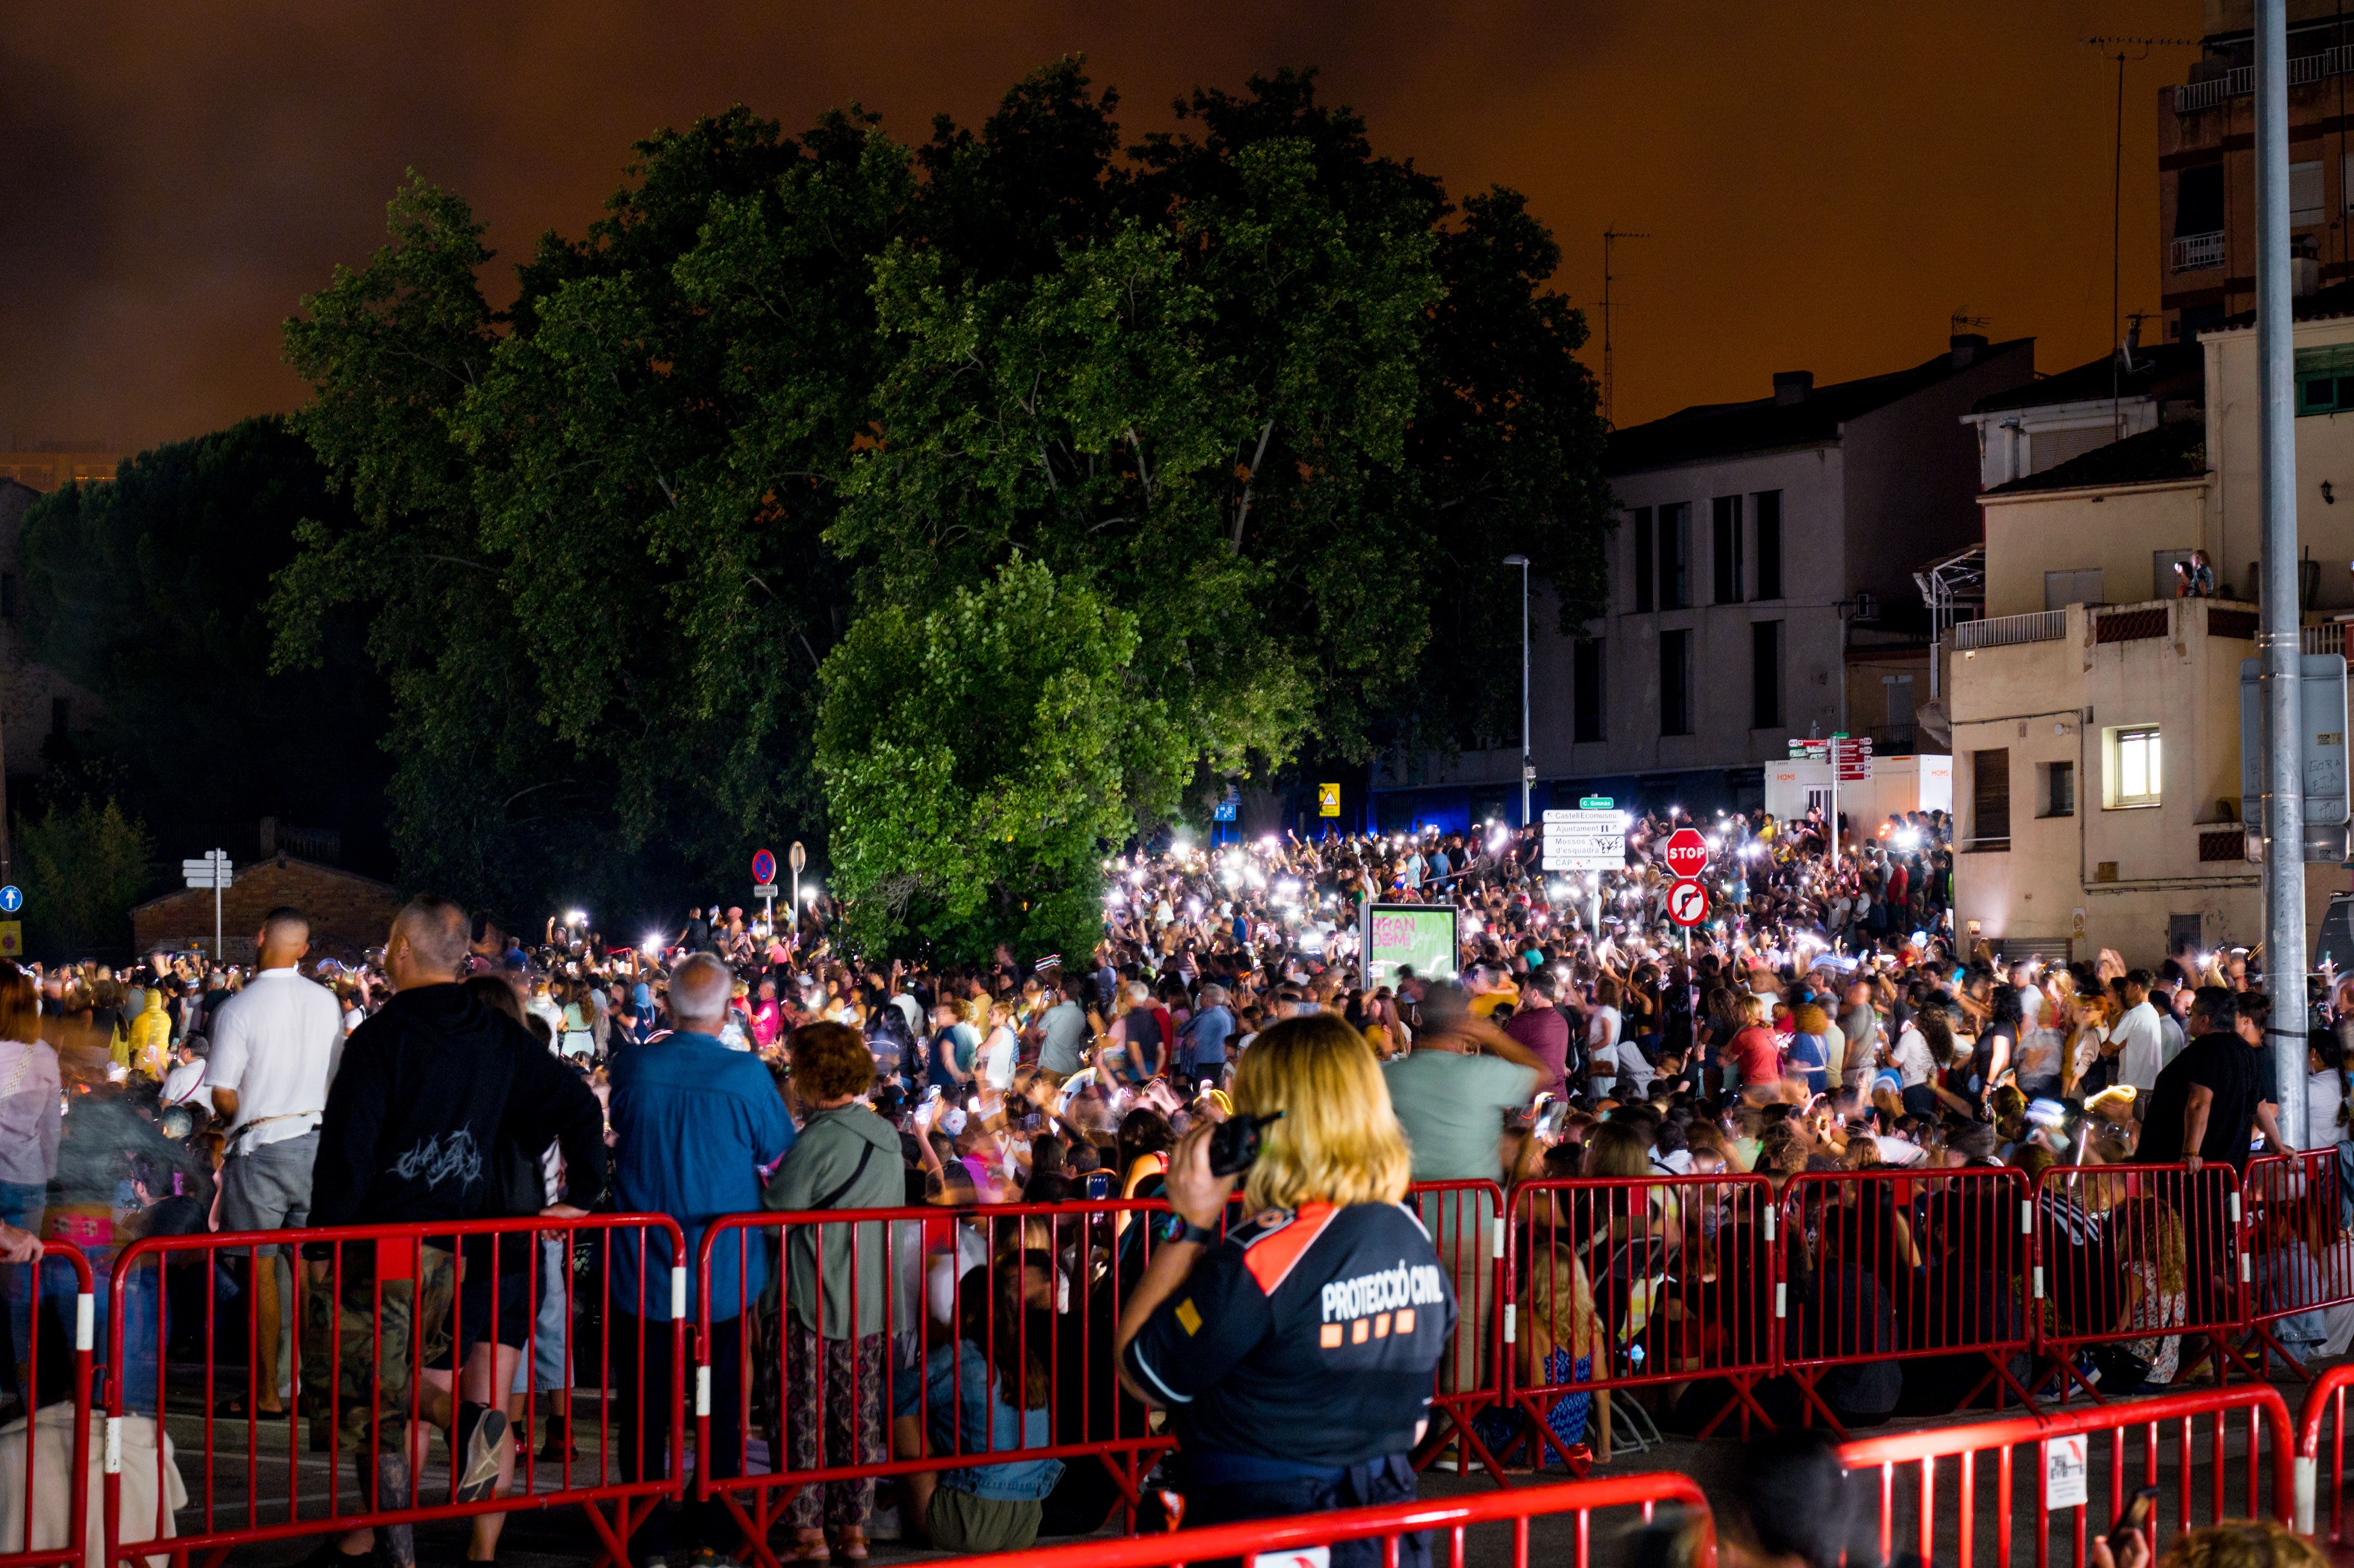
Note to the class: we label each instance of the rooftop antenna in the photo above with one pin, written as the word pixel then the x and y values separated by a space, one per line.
pixel 2124 51
pixel 1610 236
pixel 1961 321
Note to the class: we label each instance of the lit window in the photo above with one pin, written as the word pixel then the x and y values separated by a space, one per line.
pixel 2137 772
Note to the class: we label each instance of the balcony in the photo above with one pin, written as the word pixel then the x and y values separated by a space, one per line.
pixel 2007 631
pixel 2241 81
pixel 2199 252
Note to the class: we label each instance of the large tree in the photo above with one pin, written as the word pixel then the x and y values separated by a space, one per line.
pixel 1264 395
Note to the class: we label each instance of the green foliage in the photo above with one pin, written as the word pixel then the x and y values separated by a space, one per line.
pixel 151 591
pixel 1263 396
pixel 976 755
pixel 83 868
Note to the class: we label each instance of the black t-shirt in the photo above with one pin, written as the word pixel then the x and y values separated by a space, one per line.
pixel 1312 1337
pixel 2226 1066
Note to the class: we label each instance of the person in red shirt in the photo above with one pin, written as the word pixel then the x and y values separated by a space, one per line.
pixel 1755 1054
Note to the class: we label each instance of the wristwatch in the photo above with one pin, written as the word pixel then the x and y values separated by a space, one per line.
pixel 1200 1236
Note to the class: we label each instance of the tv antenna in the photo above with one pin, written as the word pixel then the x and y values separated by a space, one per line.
pixel 1961 321
pixel 2124 51
pixel 1610 236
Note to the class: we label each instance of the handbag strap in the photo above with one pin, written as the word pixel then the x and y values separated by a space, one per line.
pixel 866 1153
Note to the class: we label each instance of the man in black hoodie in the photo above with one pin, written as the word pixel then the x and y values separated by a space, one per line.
pixel 440 1112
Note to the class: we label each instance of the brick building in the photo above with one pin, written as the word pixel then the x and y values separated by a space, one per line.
pixel 349 912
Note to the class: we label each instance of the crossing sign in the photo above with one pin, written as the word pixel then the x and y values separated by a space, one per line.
pixel 1328 800
pixel 1687 903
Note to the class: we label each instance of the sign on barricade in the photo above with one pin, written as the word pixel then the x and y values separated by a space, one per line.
pixel 383 1308
pixel 51 1327
pixel 1885 1268
pixel 2123 1450
pixel 1623 1283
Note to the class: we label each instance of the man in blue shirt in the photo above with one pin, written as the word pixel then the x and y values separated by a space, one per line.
pixel 1207 1032
pixel 697 1126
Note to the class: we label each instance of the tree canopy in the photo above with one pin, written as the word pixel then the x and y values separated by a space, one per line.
pixel 1260 409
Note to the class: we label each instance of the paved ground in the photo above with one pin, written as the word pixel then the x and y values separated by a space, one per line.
pixel 546 1538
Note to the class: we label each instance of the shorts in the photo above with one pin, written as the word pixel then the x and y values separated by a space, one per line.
pixel 496 1303
pixel 549 1369
pixel 269 1188
pixel 960 1522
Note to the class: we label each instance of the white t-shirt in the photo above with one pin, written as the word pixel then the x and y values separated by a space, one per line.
pixel 2323 1094
pixel 276 1043
pixel 995 1065
pixel 1912 1059
pixel 2139 1050
pixel 1602 1043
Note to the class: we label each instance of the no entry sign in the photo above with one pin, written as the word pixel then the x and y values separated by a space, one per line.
pixel 1687 903
pixel 1687 854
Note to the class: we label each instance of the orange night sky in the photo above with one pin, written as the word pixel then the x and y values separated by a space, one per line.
pixel 1824 183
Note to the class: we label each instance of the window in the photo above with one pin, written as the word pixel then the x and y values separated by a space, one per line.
pixel 1765 674
pixel 1675 682
pixel 2082 585
pixel 1769 543
pixel 1642 557
pixel 2135 773
pixel 2199 201
pixel 2058 789
pixel 1898 689
pixel 1675 557
pixel 1728 549
pixel 1585 688
pixel 2325 379
pixel 2304 204
pixel 1990 797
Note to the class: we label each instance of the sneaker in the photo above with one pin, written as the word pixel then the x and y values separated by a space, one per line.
pixel 480 1429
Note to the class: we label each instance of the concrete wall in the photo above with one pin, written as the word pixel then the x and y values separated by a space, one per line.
pixel 2325 451
pixel 2116 530
pixel 2106 876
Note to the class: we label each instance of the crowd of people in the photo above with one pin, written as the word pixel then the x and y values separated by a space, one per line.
pixel 1223 1037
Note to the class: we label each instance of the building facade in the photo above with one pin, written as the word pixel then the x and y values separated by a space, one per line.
pixel 1761 588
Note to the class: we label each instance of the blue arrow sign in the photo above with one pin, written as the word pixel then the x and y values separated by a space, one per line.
pixel 12 898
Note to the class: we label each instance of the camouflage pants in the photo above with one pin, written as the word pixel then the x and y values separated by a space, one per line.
pixel 375 1334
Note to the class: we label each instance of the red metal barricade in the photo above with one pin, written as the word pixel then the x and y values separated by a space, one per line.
pixel 2071 1470
pixel 1466 1222
pixel 2140 1256
pixel 1298 1539
pixel 56 1432
pixel 1891 1265
pixel 864 1348
pixel 1626 1282
pixel 2302 1256
pixel 382 1308
pixel 2325 1407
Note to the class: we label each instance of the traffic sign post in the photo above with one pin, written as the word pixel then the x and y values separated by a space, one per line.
pixel 764 884
pixel 795 857
pixel 12 898
pixel 211 870
pixel 1686 853
pixel 1687 903
pixel 1591 839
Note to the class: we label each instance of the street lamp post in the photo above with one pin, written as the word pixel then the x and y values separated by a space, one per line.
pixel 1527 763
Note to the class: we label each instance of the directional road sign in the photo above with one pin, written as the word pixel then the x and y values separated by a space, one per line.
pixel 1687 903
pixel 12 898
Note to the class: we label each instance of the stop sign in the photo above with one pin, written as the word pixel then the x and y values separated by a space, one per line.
pixel 1687 853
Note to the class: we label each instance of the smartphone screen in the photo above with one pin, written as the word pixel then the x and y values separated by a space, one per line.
pixel 2136 1516
pixel 1098 1183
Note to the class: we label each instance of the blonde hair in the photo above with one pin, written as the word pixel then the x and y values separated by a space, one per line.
pixel 1339 1142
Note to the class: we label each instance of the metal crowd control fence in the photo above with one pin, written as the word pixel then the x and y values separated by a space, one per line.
pixel 1466 1222
pixel 1626 1282
pixel 2070 1468
pixel 1303 1539
pixel 48 1451
pixel 900 1341
pixel 2138 1256
pixel 380 1313
pixel 1880 1267
pixel 2325 1407
pixel 2300 1252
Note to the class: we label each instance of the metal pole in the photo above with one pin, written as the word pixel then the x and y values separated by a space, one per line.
pixel 2284 956
pixel 1528 762
pixel 220 957
pixel 1833 823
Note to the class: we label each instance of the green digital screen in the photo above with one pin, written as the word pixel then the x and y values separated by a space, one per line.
pixel 1420 936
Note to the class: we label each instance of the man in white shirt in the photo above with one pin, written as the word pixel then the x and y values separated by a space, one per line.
pixel 2140 1038
pixel 274 1047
